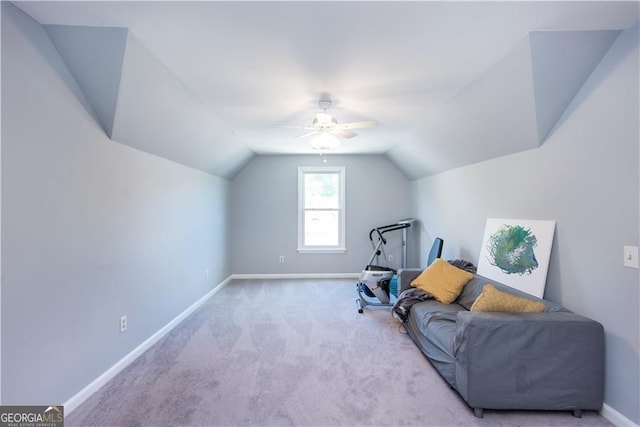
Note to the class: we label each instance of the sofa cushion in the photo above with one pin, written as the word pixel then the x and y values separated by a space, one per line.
pixel 437 323
pixel 491 299
pixel 442 280
pixel 472 289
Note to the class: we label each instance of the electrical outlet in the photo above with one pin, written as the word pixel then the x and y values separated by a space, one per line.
pixel 390 257
pixel 631 256
pixel 206 274
pixel 282 258
pixel 123 324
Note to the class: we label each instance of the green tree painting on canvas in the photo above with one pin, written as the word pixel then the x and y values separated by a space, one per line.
pixel 516 252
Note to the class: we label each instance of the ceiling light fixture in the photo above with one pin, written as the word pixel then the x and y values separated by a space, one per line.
pixel 324 141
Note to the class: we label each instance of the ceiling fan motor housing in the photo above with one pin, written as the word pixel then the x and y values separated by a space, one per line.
pixel 324 104
pixel 324 121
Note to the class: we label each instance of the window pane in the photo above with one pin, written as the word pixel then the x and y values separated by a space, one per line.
pixel 321 191
pixel 321 228
pixel 321 207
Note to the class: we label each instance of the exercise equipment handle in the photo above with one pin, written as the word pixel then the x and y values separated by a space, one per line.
pixel 386 229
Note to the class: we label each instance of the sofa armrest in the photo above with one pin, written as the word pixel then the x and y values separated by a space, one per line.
pixel 405 277
pixel 552 361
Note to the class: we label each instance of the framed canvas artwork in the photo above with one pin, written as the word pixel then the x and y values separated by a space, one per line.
pixel 516 252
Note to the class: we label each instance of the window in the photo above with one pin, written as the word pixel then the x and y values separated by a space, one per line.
pixel 321 209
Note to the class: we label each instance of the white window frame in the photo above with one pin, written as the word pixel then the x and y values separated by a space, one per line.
pixel 341 246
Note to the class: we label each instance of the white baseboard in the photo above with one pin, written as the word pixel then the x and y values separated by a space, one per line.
pixel 615 417
pixel 95 385
pixel 297 276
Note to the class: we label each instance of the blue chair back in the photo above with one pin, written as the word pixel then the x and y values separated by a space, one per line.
pixel 436 250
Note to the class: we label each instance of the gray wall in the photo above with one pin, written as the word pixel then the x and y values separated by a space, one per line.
pixel 264 203
pixel 585 177
pixel 91 230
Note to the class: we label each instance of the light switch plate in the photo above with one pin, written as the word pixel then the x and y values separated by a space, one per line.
pixel 631 256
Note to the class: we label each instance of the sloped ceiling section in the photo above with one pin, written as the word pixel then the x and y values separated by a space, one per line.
pixel 99 77
pixel 561 63
pixel 512 107
pixel 139 102
pixel 494 116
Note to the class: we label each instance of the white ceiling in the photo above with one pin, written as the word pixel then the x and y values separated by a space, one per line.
pixel 257 65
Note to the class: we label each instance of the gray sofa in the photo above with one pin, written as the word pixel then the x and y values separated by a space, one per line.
pixel 552 360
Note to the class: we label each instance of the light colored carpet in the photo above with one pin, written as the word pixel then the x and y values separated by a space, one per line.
pixel 290 353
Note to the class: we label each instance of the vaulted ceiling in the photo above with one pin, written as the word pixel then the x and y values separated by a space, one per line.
pixel 209 84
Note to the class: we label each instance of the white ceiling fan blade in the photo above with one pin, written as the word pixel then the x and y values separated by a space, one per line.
pixel 293 127
pixel 357 125
pixel 342 133
pixel 304 135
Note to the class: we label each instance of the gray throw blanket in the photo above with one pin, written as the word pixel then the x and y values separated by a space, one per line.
pixel 406 300
pixel 463 265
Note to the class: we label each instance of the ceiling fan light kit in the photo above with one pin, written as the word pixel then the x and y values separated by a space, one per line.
pixel 324 141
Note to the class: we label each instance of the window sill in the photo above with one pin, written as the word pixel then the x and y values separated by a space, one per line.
pixel 321 250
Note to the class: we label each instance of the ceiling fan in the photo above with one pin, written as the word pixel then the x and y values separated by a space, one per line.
pixel 324 124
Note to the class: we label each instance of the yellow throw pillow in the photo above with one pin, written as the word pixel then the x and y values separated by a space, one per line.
pixel 442 280
pixel 491 299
